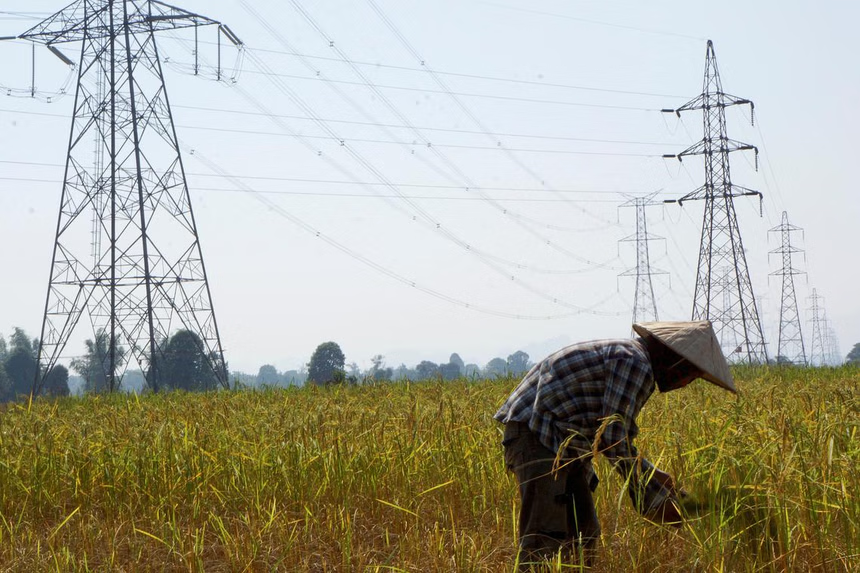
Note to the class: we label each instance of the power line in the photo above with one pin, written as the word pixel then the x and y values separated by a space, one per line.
pixel 16 16
pixel 461 94
pixel 478 147
pixel 340 194
pixel 465 181
pixel 423 70
pixel 429 144
pixel 439 129
pixel 519 218
pixel 396 142
pixel 420 197
pixel 390 125
pixel 441 83
pixel 362 183
pixel 425 217
pixel 393 274
pixel 487 258
pixel 309 111
pixel 516 217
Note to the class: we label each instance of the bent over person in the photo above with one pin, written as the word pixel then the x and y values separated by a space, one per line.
pixel 585 399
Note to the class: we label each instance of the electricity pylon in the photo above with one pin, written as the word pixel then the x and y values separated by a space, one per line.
pixel 723 278
pixel 818 350
pixel 790 347
pixel 721 245
pixel 645 304
pixel 834 354
pixel 127 254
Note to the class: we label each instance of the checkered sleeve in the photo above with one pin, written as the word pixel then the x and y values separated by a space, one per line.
pixel 628 385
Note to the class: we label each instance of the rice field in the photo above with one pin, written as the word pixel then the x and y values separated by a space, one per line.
pixel 409 477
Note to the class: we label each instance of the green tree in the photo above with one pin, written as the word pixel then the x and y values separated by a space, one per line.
pixel 19 341
pixel 455 359
pixel 449 371
pixel 57 382
pixel 427 369
pixel 378 370
pixel 20 364
pixel 353 370
pixel 495 367
pixel 471 371
pixel 326 365
pixel 403 372
pixel 5 384
pixel 185 365
pixel 518 362
pixel 268 375
pixel 20 367
pixel 94 367
pixel 854 356
pixel 294 377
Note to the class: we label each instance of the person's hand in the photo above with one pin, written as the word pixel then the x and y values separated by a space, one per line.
pixel 664 479
pixel 667 513
pixel 668 482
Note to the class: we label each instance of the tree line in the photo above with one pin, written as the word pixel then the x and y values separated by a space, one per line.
pixel 328 366
pixel 18 367
pixel 854 356
pixel 181 362
pixel 183 365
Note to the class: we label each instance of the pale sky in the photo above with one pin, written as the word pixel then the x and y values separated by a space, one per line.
pixel 551 109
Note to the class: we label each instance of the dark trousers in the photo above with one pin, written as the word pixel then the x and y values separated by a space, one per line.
pixel 557 512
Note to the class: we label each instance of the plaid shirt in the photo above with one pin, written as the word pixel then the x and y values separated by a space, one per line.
pixel 570 394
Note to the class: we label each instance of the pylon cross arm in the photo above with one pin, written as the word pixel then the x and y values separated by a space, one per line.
pixel 87 19
pixel 702 192
pixel 717 146
pixel 704 101
pixel 697 102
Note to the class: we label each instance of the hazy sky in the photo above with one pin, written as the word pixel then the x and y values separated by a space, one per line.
pixel 550 109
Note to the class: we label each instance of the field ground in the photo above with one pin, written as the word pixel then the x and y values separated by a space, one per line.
pixel 409 477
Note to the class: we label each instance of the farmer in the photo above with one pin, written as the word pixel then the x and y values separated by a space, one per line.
pixel 585 399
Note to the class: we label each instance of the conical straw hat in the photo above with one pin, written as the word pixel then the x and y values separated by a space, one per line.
pixel 697 343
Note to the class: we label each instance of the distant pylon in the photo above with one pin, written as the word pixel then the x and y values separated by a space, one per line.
pixel 818 349
pixel 721 245
pixel 834 355
pixel 790 347
pixel 644 303
pixel 722 280
pixel 127 253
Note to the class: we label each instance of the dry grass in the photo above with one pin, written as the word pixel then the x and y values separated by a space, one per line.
pixel 409 477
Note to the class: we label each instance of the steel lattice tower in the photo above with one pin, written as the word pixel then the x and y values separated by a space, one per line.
pixel 721 245
pixel 723 278
pixel 790 346
pixel 127 253
pixel 818 349
pixel 645 303
pixel 834 355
